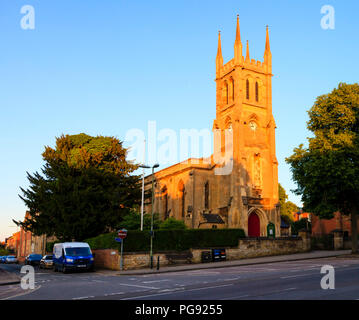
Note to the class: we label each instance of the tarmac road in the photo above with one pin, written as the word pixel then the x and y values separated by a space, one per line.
pixel 294 280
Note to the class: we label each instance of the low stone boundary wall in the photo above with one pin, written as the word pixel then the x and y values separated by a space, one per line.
pixel 247 248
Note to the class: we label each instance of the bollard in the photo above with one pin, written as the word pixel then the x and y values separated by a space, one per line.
pixel 158 262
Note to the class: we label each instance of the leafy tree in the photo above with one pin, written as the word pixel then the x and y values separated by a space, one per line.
pixel 132 221
pixel 301 224
pixel 85 189
pixel 172 224
pixel 286 207
pixel 327 172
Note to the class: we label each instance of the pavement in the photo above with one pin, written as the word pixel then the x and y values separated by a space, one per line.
pixel 235 263
pixel 7 278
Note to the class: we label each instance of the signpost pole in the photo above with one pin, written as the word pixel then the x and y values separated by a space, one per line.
pixel 122 234
pixel 121 259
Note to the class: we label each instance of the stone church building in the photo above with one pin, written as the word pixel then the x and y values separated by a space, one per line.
pixel 247 195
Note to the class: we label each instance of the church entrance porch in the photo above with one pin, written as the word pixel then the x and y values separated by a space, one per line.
pixel 253 225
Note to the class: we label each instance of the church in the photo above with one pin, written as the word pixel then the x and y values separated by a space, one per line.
pixel 245 196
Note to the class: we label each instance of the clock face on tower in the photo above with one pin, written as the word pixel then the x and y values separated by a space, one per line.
pixel 253 126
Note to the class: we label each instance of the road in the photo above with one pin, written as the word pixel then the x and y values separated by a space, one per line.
pixel 294 280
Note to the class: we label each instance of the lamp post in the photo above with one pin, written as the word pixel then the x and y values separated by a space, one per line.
pixel 152 202
pixel 143 192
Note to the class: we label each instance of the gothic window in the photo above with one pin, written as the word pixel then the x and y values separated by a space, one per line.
pixel 247 89
pixel 257 171
pixel 226 92
pixel 257 93
pixel 181 190
pixel 206 195
pixel 183 203
pixel 232 90
pixel 165 202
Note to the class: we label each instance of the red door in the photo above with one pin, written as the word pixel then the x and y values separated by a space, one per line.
pixel 253 225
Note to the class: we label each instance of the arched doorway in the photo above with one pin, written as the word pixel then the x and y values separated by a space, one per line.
pixel 254 226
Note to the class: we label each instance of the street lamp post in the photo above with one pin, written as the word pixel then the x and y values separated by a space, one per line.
pixel 152 202
pixel 143 192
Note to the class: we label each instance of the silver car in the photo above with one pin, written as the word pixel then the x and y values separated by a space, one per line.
pixel 46 262
pixel 11 259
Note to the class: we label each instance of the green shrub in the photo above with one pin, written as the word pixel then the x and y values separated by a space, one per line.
pixel 132 221
pixel 301 224
pixel 170 240
pixel 4 252
pixel 172 224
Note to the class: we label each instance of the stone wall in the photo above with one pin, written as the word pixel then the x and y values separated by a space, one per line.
pixel 247 248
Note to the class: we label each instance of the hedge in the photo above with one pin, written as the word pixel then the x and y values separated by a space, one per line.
pixel 169 240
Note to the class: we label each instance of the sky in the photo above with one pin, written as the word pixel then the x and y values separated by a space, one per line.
pixel 106 67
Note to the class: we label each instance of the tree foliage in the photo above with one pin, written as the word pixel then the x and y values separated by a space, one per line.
pixel 132 221
pixel 172 224
pixel 85 188
pixel 327 172
pixel 286 207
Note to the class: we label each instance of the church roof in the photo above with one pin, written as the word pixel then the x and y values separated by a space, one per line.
pixel 213 218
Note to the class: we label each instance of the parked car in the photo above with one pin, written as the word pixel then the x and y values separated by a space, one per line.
pixel 33 259
pixel 72 256
pixel 46 262
pixel 2 259
pixel 11 259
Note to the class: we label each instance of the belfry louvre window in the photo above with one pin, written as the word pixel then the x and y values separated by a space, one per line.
pixel 247 89
pixel 257 93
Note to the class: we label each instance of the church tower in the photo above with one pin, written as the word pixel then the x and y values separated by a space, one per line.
pixel 244 194
pixel 244 105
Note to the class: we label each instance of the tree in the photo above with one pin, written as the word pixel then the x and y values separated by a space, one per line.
pixel 286 207
pixel 132 221
pixel 327 172
pixel 172 224
pixel 300 225
pixel 85 189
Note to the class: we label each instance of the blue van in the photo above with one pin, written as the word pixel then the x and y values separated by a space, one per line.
pixel 72 256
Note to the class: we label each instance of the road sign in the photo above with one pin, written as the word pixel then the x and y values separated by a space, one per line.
pixel 122 234
pixel 118 239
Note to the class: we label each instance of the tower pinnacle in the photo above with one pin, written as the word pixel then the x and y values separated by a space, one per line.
pixel 219 58
pixel 247 53
pixel 238 45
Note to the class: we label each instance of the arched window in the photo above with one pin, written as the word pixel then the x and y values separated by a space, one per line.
pixel 226 84
pixel 165 202
pixel 183 203
pixel 247 89
pixel 181 190
pixel 206 195
pixel 232 90
pixel 257 93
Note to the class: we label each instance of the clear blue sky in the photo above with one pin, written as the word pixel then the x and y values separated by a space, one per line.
pixel 104 67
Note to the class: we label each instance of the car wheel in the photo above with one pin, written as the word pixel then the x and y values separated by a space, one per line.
pixel 64 269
